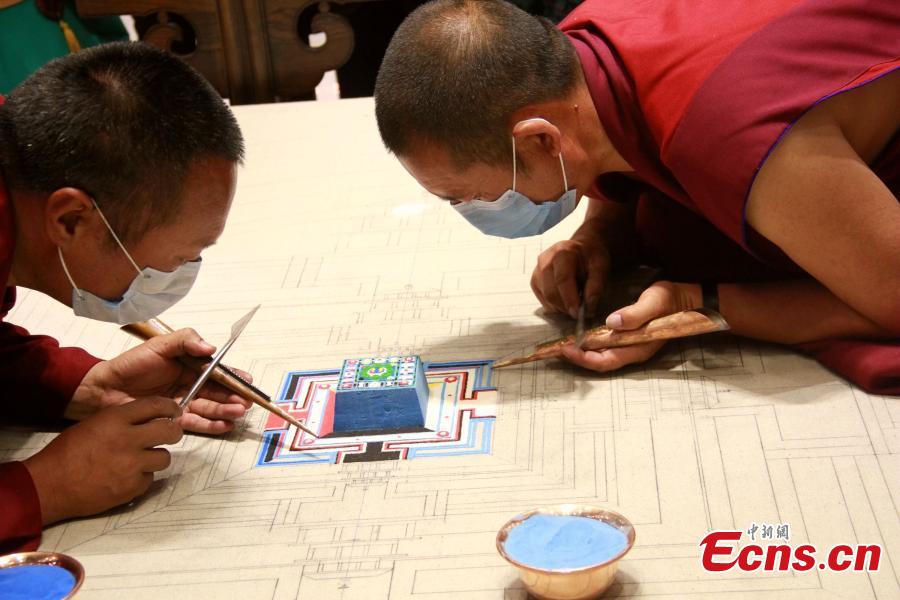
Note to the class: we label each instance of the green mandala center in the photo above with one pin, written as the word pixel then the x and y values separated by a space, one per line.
pixel 377 371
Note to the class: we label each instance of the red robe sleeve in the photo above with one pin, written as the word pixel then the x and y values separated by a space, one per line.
pixel 20 519
pixel 38 380
pixel 38 376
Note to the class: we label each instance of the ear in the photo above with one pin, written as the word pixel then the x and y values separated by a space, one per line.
pixel 68 216
pixel 537 135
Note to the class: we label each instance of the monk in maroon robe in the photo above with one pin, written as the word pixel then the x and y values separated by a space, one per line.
pixel 750 149
pixel 158 149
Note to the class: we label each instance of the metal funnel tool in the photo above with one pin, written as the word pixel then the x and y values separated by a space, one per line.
pixel 682 324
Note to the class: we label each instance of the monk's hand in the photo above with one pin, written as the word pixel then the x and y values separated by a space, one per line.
pixel 660 299
pixel 106 460
pixel 153 369
pixel 569 271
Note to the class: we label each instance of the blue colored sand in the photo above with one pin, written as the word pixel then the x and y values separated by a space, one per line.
pixel 35 582
pixel 563 542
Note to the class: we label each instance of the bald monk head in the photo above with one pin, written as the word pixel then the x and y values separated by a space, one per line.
pixel 117 158
pixel 465 83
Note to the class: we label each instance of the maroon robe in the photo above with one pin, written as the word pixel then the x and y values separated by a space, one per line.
pixel 38 379
pixel 695 96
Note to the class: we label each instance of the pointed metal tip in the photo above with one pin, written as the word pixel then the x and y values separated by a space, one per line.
pixel 580 331
pixel 511 362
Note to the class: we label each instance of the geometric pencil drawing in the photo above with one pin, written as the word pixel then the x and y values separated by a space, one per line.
pixel 350 258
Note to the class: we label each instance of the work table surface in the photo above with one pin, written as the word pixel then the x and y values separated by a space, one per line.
pixel 349 257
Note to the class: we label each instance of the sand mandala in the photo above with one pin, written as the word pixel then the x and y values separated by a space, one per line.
pixel 460 412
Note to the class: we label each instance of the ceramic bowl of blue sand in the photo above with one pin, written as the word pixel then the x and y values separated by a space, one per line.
pixel 39 576
pixel 567 551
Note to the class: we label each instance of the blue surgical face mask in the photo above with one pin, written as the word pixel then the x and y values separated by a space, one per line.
pixel 150 293
pixel 514 215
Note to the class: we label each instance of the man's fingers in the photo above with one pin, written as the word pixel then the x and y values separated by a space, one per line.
pixel 145 409
pixel 594 284
pixel 213 410
pixel 228 397
pixel 565 274
pixel 593 292
pixel 560 270
pixel 539 279
pixel 552 302
pixel 536 287
pixel 158 433
pixel 156 459
pixel 211 390
pixel 183 341
pixel 220 393
pixel 216 392
pixel 654 302
pixel 611 358
pixel 601 361
pixel 557 273
pixel 247 377
pixel 197 424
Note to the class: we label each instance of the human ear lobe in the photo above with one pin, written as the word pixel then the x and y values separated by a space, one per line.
pixel 67 216
pixel 537 135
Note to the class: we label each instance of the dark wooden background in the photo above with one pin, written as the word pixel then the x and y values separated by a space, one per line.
pixel 250 50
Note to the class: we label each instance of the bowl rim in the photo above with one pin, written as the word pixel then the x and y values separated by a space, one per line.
pixel 54 559
pixel 574 510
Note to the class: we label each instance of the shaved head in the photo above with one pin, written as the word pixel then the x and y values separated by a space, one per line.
pixel 457 70
pixel 124 122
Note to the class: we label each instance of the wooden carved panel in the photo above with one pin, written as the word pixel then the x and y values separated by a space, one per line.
pixel 183 21
pixel 250 50
pixel 296 67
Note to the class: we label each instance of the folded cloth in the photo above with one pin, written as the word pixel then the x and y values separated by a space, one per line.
pixel 872 365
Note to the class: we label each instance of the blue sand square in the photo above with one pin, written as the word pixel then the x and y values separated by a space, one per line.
pixel 380 393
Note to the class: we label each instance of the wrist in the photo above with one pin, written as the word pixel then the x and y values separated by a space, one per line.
pixel 592 241
pixel 88 396
pixel 42 479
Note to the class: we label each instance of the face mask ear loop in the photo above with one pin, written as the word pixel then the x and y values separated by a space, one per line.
pixel 68 275
pixel 514 163
pixel 563 167
pixel 115 237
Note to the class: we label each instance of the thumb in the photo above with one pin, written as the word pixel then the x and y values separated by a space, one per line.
pixel 180 343
pixel 650 305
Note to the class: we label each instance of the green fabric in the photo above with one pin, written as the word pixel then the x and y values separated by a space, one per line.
pixel 28 39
